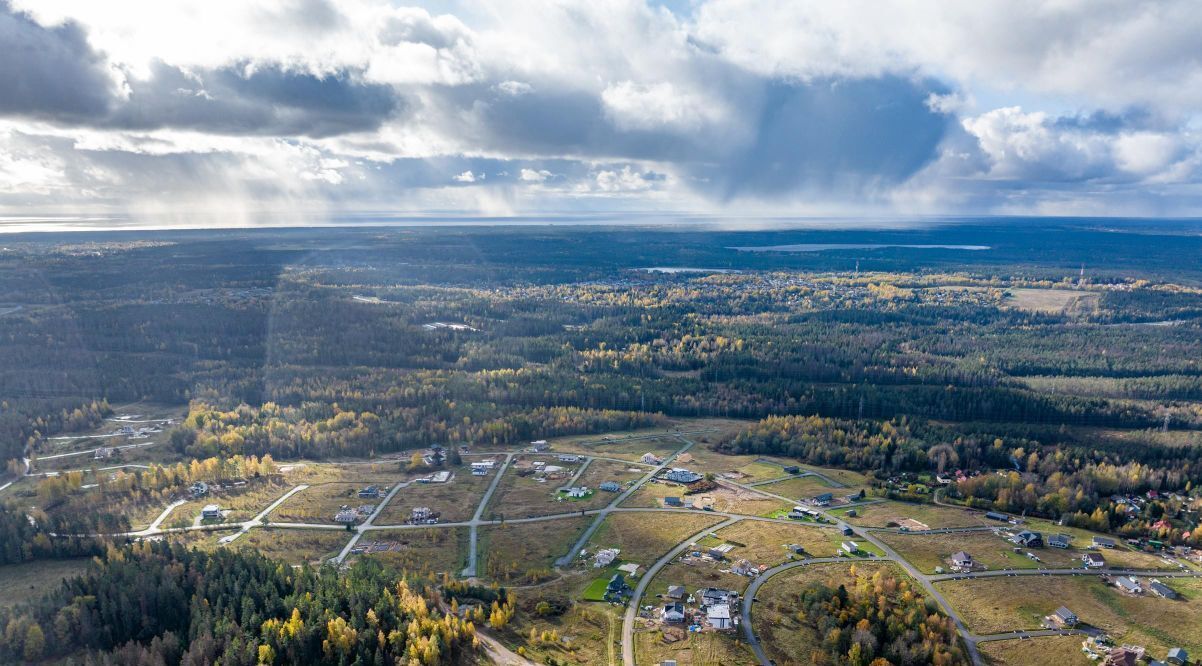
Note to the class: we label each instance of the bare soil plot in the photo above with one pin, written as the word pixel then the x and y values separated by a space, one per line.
pixel 774 616
pixel 30 580
pixel 889 513
pixel 425 551
pixel 294 546
pixel 454 501
pixel 994 605
pixel 525 552
pixel 1044 651
pixel 644 537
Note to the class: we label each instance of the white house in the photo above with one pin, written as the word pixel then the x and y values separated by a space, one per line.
pixel 718 616
pixel 851 547
pixel 651 459
pixel 605 557
pixel 210 512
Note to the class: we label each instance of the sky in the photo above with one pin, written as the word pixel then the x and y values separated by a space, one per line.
pixel 232 112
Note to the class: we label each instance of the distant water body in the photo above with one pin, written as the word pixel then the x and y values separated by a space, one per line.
pixel 819 247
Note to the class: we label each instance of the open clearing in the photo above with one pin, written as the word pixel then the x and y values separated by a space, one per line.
pixel 525 552
pixel 454 501
pixel 424 551
pixel 30 580
pixel 724 498
pixel 1068 301
pixel 522 494
pixel 991 605
pixel 1047 650
pixel 927 551
pixel 318 504
pixel 293 546
pixel 697 649
pixel 644 537
pixel 888 513
pixel 774 616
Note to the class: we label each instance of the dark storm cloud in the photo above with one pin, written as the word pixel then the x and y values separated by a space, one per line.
pixel 262 100
pixel 49 72
pixel 843 134
pixel 53 74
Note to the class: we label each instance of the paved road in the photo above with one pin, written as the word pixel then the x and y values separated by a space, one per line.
pixel 367 523
pixel 93 451
pixel 258 520
pixel 601 514
pixel 754 588
pixel 995 573
pixel 632 609
pixel 473 555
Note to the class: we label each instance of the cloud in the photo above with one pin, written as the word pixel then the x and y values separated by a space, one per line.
pixel 534 176
pixel 47 72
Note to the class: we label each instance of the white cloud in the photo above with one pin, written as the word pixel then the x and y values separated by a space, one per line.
pixel 468 177
pixel 534 176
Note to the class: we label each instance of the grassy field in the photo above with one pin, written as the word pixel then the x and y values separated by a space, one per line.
pixel 525 552
pixel 520 496
pixel 1045 651
pixel 803 487
pixel 703 649
pixel 1005 604
pixel 729 500
pixel 425 551
pixel 240 503
pixel 455 500
pixel 318 504
pixel 645 537
pixel 1120 556
pixel 927 551
pixel 30 580
pixel 1068 301
pixel 763 542
pixel 589 632
pixel 881 514
pixel 618 446
pixel 293 546
pixel 600 471
pixel 784 639
pixel 746 468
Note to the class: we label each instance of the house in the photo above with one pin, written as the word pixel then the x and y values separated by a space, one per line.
pixel 994 515
pixel 441 476
pixel 822 500
pixel 540 445
pixel 852 513
pixel 718 616
pixel 198 489
pixel 1029 539
pixel 578 492
pixel 539 464
pixel 1103 542
pixel 568 458
pixel 1064 617
pixel 605 557
pixel 682 475
pixel 851 547
pixel 846 530
pixel 673 501
pixel 1161 590
pixel 962 561
pixel 792 469
pixel 713 596
pixel 1059 540
pixel 1093 560
pixel 673 613
pixel 371 492
pixel 1128 584
pixel 479 471
pixel 676 592
pixel 616 589
pixel 651 459
pixel 610 486
pixel 346 515
pixel 1177 656
pixel 210 512
pixel 104 453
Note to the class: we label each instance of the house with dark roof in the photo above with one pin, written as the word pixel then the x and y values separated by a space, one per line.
pixel 676 592
pixel 682 475
pixel 1029 539
pixel 994 515
pixel 1065 617
pixel 1177 656
pixel 1093 560
pixel 792 469
pixel 822 500
pixel 1059 540
pixel 673 613
pixel 1103 542
pixel 673 501
pixel 712 596
pixel 617 589
pixel 962 561
pixel 1161 590
pixel 610 486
